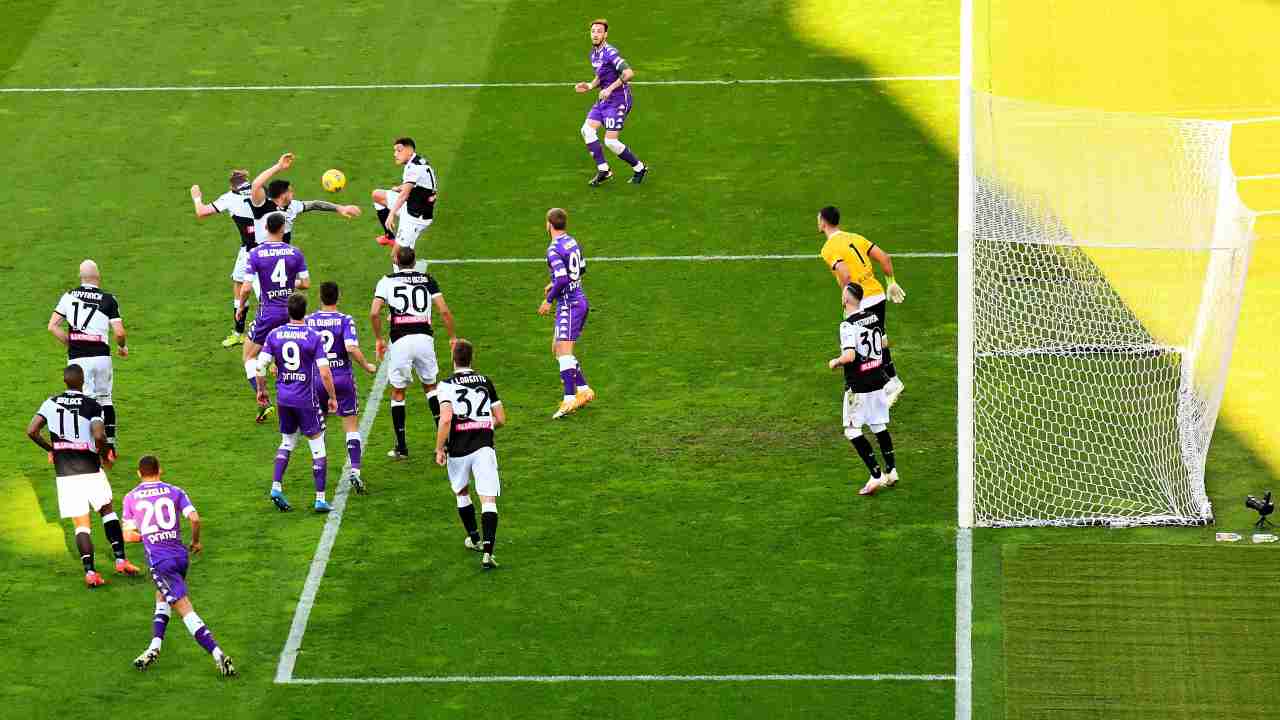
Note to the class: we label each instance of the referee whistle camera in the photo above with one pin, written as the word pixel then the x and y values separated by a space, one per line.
pixel 1264 507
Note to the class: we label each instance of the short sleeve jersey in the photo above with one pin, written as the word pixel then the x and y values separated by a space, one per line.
pixel 235 204
pixel 69 418
pixel 855 252
pixel 298 352
pixel 409 294
pixel 156 509
pixel 337 331
pixel 277 266
pixel 859 333
pixel 419 172
pixel 89 312
pixel 268 206
pixel 607 63
pixel 472 398
pixel 566 266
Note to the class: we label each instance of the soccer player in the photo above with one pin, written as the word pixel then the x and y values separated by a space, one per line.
pixel 338 331
pixel 566 264
pixel 77 446
pixel 408 209
pixel 268 196
pixel 862 355
pixel 90 313
pixel 235 203
pixel 469 413
pixel 848 256
pixel 613 77
pixel 298 353
pixel 153 513
pixel 409 294
pixel 276 271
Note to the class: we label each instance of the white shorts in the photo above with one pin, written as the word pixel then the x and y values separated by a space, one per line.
pixel 81 494
pixel 240 271
pixel 869 408
pixel 408 227
pixel 482 465
pixel 412 353
pixel 97 376
pixel 870 300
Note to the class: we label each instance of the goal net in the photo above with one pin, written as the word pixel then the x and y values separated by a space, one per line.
pixel 1108 258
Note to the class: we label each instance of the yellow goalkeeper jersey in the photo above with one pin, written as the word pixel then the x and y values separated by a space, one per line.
pixel 855 252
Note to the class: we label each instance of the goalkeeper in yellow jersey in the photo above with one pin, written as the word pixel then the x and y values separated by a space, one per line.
pixel 848 256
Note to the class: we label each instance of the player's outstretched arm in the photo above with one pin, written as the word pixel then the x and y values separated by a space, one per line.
pixel 348 211
pixel 442 432
pixel 55 327
pixel 33 432
pixel 257 192
pixel 197 199
pixel 447 316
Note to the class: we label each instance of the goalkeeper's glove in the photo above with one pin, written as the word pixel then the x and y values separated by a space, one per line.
pixel 896 293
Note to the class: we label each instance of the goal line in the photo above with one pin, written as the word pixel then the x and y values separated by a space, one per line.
pixel 668 258
pixel 448 679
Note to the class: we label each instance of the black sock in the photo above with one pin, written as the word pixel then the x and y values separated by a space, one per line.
pixel 115 536
pixel 888 364
pixel 468 515
pixel 240 319
pixel 886 449
pixel 397 421
pixel 489 520
pixel 383 214
pixel 433 402
pixel 863 446
pixel 109 417
pixel 85 545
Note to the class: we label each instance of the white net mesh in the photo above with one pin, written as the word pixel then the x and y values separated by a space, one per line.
pixel 1109 261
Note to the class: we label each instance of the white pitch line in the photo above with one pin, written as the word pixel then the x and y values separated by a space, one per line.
pixel 667 258
pixel 474 85
pixel 289 655
pixel 443 679
pixel 964 623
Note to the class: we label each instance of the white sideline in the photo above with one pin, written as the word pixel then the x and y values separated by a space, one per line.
pixel 442 679
pixel 667 258
pixel 289 655
pixel 473 85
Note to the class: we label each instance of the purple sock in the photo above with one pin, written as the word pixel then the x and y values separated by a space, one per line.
pixel 282 463
pixel 253 383
pixel 353 453
pixel 628 157
pixel 158 625
pixel 579 378
pixel 320 469
pixel 597 152
pixel 570 388
pixel 205 638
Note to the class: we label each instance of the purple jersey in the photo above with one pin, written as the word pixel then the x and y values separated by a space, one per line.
pixel 297 350
pixel 156 509
pixel 609 65
pixel 277 268
pixel 337 330
pixel 565 262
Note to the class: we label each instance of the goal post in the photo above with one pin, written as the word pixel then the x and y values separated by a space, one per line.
pixel 1102 260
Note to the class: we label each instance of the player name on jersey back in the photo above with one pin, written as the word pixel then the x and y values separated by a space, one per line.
pixel 859 333
pixel 409 295
pixel 88 311
pixel 472 397
pixel 69 417
pixel 336 329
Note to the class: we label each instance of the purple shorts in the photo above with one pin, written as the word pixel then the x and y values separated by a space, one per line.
pixel 345 385
pixel 612 113
pixel 571 317
pixel 170 577
pixel 308 421
pixel 264 322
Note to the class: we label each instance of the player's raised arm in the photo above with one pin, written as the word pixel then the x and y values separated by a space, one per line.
pixel 257 193
pixel 197 199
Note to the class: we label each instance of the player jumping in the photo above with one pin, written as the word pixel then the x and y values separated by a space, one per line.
pixel 865 397
pixel 341 346
pixel 613 76
pixel 566 264
pixel 298 353
pixel 408 209
pixel 469 413
pixel 268 196
pixel 153 513
pixel 78 448
pixel 235 203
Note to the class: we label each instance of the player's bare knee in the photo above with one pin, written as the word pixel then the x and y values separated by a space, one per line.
pixel 183 606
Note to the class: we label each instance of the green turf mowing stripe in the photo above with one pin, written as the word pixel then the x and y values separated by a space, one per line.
pixel 1153 631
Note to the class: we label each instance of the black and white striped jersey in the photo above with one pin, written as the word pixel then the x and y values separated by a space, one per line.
pixel 235 203
pixel 418 171
pixel 89 311
pixel 268 206
pixel 472 398
pixel 409 294
pixel 70 417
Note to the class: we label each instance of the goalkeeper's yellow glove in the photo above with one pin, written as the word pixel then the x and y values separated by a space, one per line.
pixel 896 293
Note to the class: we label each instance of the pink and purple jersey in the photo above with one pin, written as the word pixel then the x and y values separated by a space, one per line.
pixel 566 265
pixel 297 352
pixel 156 509
pixel 609 65
pixel 336 330
pixel 277 268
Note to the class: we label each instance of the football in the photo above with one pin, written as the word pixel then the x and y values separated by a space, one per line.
pixel 333 180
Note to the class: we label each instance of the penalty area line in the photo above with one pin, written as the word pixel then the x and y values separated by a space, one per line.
pixel 320 561
pixel 447 679
pixel 667 258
